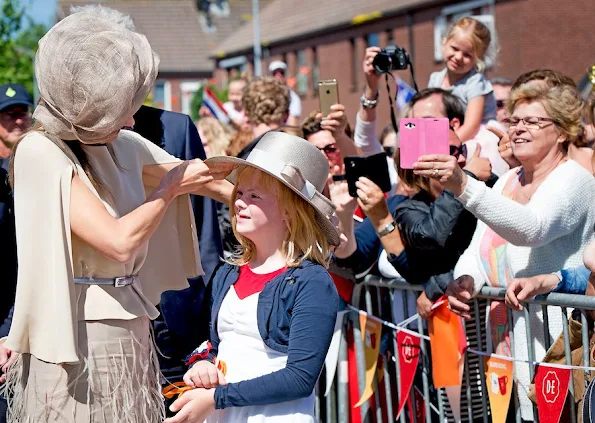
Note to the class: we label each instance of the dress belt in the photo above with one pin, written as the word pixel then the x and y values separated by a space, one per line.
pixel 117 282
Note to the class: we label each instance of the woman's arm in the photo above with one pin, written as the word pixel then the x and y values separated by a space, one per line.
pixel 473 117
pixel 219 190
pixel 120 238
pixel 311 329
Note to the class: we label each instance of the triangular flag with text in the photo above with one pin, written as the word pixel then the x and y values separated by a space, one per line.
pixel 408 349
pixel 551 388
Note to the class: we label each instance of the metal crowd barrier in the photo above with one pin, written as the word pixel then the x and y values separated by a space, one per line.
pixel 384 298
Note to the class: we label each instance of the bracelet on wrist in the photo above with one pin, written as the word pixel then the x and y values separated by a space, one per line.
pixel 367 103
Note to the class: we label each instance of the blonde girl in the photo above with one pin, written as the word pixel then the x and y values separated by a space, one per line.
pixel 274 305
pixel 464 49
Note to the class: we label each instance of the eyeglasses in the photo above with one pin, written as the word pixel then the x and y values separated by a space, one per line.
pixel 500 104
pixel 14 115
pixel 328 149
pixel 458 151
pixel 531 122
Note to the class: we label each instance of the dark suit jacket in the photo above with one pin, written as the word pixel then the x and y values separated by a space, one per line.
pixel 8 254
pixel 183 323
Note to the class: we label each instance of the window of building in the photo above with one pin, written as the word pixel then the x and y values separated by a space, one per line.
pixel 315 71
pixel 162 95
pixel 302 73
pixel 354 63
pixel 373 40
pixel 482 10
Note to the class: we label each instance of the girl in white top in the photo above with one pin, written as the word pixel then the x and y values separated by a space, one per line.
pixel 464 48
pixel 544 221
pixel 273 306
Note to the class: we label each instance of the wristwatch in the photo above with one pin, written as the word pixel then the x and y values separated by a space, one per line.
pixel 367 103
pixel 388 228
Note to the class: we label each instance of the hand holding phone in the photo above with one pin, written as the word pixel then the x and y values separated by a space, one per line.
pixel 422 136
pixel 328 95
pixel 375 168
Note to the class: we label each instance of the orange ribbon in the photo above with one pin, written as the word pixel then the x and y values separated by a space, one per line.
pixel 176 388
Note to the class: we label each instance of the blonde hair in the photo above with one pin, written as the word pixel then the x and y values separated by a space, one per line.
pixel 215 135
pixel 561 103
pixel 479 36
pixel 266 100
pixel 305 239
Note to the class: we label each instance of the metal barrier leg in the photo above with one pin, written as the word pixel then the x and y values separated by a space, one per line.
pixel 397 366
pixel 516 391
pixel 343 380
pixel 424 376
pixel 478 327
pixel 568 361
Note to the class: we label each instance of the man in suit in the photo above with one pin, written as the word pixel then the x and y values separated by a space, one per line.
pixel 183 323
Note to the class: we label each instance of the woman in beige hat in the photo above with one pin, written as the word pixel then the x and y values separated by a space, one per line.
pixel 273 305
pixel 104 226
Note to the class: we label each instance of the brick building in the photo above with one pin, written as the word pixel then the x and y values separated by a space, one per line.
pixel 179 33
pixel 327 39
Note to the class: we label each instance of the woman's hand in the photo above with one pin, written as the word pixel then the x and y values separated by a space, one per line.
pixel 335 122
pixel 7 357
pixel 444 169
pixel 192 175
pixel 193 406
pixel 372 201
pixel 371 77
pixel 345 204
pixel 504 147
pixel 523 288
pixel 460 292
pixel 204 374
pixel 424 305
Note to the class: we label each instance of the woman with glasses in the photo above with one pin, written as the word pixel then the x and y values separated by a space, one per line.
pixel 538 218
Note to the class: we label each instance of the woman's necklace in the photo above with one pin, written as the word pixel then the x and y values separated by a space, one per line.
pixel 537 182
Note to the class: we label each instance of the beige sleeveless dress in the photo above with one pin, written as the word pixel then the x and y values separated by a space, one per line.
pixel 86 353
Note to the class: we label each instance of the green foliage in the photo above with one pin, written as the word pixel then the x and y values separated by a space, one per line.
pixel 17 46
pixel 196 102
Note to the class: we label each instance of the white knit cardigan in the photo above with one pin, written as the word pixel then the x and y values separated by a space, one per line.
pixel 545 235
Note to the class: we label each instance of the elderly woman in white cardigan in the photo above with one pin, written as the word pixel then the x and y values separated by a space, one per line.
pixel 537 219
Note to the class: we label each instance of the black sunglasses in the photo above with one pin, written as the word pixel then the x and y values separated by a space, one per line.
pixel 500 104
pixel 331 148
pixel 458 151
pixel 389 150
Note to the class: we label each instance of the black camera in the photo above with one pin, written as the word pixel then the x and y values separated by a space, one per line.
pixel 391 58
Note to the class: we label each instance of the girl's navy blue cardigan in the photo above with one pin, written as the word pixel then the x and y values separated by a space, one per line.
pixel 296 315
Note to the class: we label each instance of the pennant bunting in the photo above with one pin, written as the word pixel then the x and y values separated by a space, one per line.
pixel 448 345
pixel 551 388
pixel 371 331
pixel 499 384
pixel 408 349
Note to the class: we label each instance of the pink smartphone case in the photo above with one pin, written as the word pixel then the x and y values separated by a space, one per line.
pixel 421 136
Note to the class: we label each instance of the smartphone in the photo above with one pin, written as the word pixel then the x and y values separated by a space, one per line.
pixel 328 94
pixel 422 136
pixel 373 167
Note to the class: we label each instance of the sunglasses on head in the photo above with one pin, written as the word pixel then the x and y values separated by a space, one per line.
pixel 331 148
pixel 458 151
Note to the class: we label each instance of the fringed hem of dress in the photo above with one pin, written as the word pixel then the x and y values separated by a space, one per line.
pixel 117 380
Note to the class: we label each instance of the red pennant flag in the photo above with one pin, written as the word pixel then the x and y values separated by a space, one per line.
pixel 408 350
pixel 551 388
pixel 420 408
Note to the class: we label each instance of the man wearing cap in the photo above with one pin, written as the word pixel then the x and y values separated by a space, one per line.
pixel 15 119
pixel 277 69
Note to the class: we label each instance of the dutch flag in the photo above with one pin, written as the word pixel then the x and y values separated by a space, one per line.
pixel 404 93
pixel 211 102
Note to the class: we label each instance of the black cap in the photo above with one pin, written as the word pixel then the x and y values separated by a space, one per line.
pixel 14 94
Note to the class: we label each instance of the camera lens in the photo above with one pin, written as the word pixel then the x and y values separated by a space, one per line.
pixel 382 63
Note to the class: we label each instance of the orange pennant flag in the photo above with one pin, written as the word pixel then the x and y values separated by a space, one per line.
pixel 448 344
pixel 499 383
pixel 371 332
